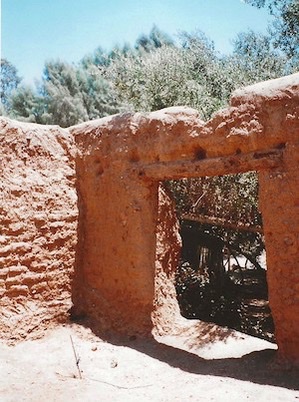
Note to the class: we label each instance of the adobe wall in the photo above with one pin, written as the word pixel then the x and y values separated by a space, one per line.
pixel 166 314
pixel 279 202
pixel 38 222
pixel 120 161
pixel 124 256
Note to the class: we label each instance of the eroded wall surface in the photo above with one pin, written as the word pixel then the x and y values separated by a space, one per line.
pixel 120 161
pixel 277 103
pixel 127 245
pixel 166 312
pixel 279 201
pixel 38 221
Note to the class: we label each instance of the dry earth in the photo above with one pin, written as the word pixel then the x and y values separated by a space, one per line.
pixel 202 362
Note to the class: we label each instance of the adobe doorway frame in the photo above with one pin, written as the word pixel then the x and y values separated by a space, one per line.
pixel 120 162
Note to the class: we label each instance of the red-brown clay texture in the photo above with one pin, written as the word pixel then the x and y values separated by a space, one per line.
pixel 121 160
pixel 124 262
pixel 38 219
pixel 166 313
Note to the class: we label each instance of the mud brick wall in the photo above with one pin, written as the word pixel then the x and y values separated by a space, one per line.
pixel 121 277
pixel 38 221
pixel 120 162
pixel 166 315
pixel 279 201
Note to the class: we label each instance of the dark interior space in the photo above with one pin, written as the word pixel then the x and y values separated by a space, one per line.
pixel 215 283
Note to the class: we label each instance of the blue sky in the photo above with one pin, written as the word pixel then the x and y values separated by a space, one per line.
pixel 34 31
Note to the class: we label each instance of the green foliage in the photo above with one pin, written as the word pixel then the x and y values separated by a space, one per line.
pixel 9 80
pixel 98 95
pixel 156 39
pixel 26 105
pixel 67 95
pixel 219 197
pixel 254 59
pixel 284 31
pixel 155 80
pixel 231 199
pixel 97 58
pixel 189 74
pixel 62 94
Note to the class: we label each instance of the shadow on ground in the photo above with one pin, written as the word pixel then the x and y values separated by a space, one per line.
pixel 260 367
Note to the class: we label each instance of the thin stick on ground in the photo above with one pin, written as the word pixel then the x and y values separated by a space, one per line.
pixel 77 359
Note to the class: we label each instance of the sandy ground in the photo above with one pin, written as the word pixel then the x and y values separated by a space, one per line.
pixel 201 362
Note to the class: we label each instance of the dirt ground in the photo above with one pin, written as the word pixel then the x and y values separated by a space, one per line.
pixel 201 362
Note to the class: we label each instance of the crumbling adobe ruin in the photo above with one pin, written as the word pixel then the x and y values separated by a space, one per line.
pixel 38 221
pixel 127 242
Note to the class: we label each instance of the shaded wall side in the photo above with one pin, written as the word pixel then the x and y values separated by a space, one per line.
pixel 166 313
pixel 279 202
pixel 38 220
pixel 114 280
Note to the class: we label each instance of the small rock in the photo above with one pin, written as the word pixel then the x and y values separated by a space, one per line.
pixel 113 363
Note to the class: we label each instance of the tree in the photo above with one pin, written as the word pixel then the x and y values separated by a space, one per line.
pixel 62 94
pixel 285 28
pixel 66 95
pixel 76 94
pixel 254 59
pixel 97 58
pixel 98 95
pixel 26 105
pixel 156 39
pixel 189 74
pixel 9 80
pixel 229 201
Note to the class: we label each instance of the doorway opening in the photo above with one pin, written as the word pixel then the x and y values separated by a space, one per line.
pixel 221 276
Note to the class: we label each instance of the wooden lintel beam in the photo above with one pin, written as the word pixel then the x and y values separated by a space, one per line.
pixel 223 223
pixel 219 166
